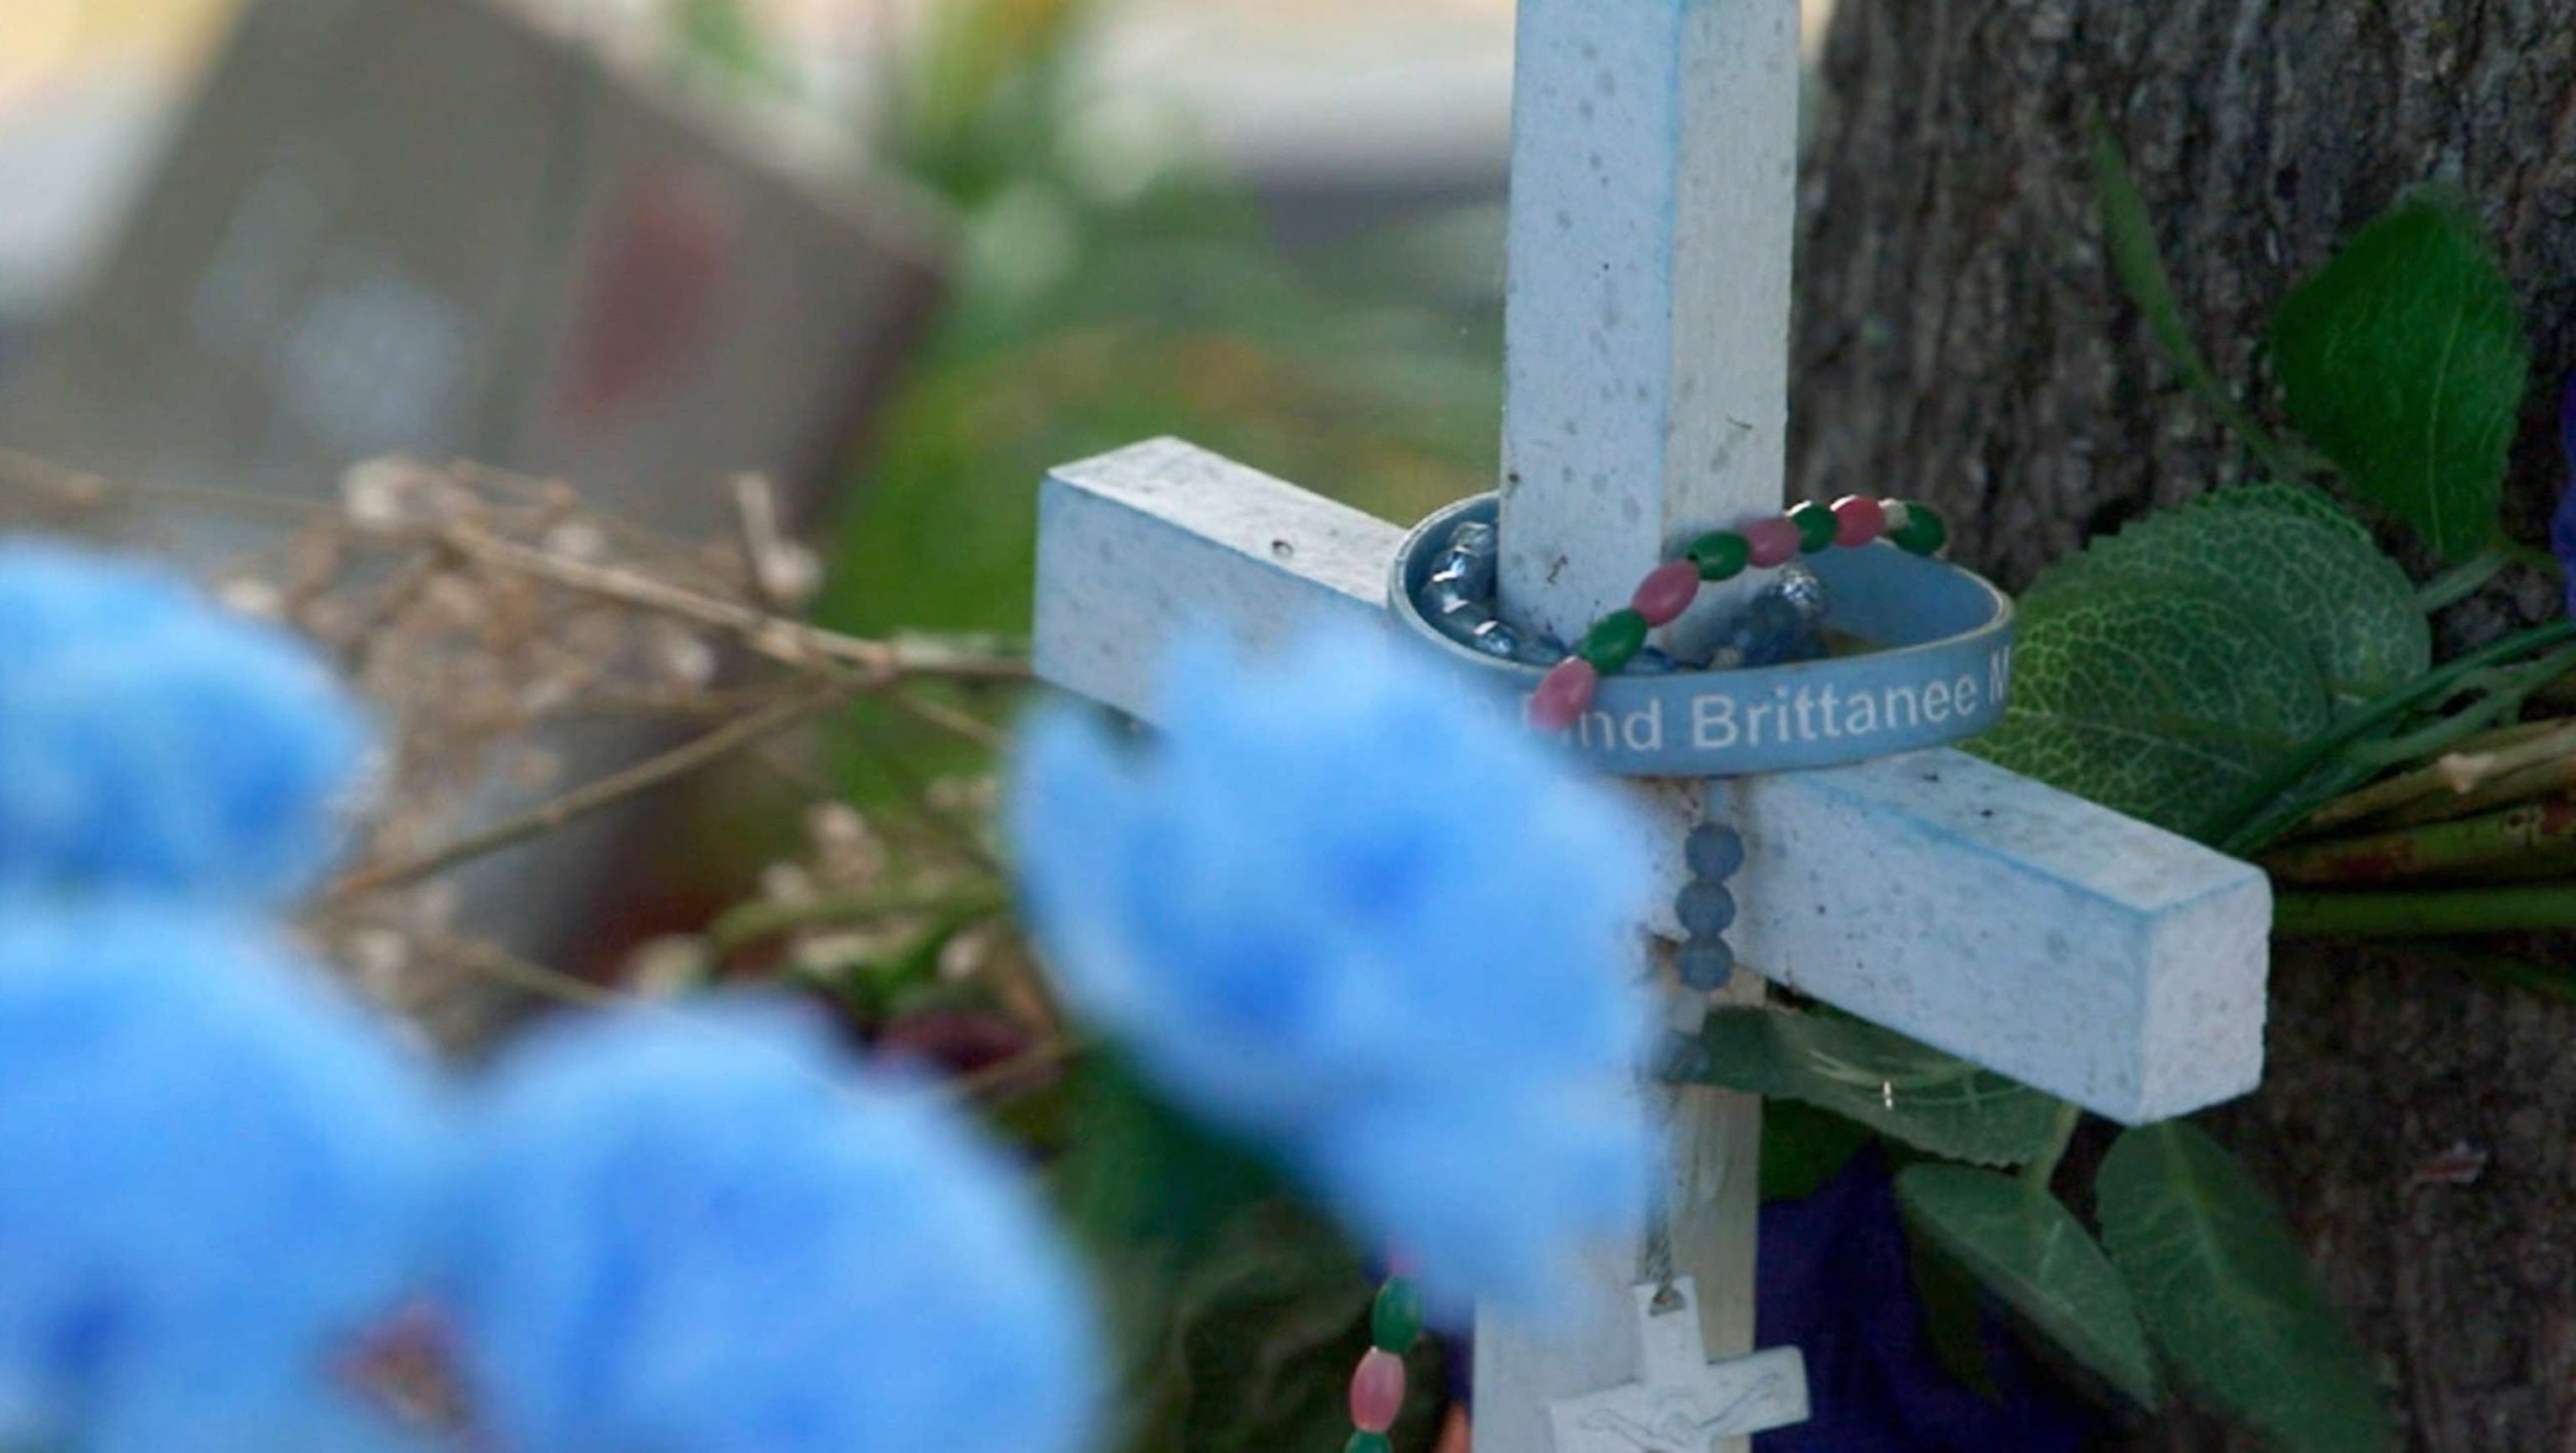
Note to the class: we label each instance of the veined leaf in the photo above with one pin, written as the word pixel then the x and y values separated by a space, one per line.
pixel 1925 1098
pixel 2407 363
pixel 2032 1252
pixel 2227 1294
pixel 2292 558
pixel 2153 699
pixel 2265 496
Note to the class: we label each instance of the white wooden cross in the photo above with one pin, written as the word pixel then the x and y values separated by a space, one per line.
pixel 1654 172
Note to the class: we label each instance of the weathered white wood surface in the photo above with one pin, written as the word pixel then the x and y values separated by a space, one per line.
pixel 2079 951
pixel 1654 174
pixel 1654 161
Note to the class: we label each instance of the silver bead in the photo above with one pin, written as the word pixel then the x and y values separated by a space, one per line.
pixel 1476 538
pixel 1542 650
pixel 1452 609
pixel 1783 624
pixel 1497 640
pixel 1469 560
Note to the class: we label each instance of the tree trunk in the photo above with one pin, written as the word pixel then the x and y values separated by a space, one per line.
pixel 1962 338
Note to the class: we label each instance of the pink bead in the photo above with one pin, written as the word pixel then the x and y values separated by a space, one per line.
pixel 1377 1391
pixel 1862 521
pixel 1564 695
pixel 1774 541
pixel 1663 596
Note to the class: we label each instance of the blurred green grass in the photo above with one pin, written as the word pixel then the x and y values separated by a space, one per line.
pixel 1112 287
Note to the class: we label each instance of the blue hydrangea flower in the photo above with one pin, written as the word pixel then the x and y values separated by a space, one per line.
pixel 700 1233
pixel 2562 526
pixel 1341 911
pixel 155 741
pixel 214 1181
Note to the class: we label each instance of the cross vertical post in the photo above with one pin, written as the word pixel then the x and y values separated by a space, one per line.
pixel 1654 175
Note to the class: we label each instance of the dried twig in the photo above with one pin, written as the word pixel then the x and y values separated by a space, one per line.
pixel 789 642
pixel 753 923
pixel 2476 763
pixel 2442 847
pixel 608 791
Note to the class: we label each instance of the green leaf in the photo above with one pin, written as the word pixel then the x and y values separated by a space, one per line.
pixel 1804 1147
pixel 1883 1080
pixel 2129 234
pixel 2032 1252
pixel 2228 1295
pixel 1954 1312
pixel 2406 362
pixel 2265 496
pixel 2291 558
pixel 2155 700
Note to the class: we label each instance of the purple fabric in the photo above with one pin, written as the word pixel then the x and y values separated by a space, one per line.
pixel 2562 527
pixel 1834 1281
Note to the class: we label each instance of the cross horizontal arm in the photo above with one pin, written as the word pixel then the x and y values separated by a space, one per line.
pixel 2076 950
pixel 1138 547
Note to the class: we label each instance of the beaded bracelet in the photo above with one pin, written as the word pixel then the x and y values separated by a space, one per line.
pixel 1616 639
pixel 1378 1385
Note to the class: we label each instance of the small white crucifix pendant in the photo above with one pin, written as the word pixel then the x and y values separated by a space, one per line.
pixel 1681 1401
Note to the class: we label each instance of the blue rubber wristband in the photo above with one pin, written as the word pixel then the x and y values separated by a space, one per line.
pixel 1943 671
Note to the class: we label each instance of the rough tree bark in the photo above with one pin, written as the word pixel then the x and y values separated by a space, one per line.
pixel 1961 337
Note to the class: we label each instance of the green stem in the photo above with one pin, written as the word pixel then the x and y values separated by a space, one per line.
pixel 2535 558
pixel 2461 581
pixel 2251 805
pixel 2506 692
pixel 2040 1172
pixel 2425 849
pixel 2425 915
pixel 2130 234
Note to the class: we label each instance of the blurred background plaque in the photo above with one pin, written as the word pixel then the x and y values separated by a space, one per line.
pixel 436 227
pixel 443 229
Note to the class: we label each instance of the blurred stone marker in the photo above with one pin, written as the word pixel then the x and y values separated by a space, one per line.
pixel 435 227
pixel 438 228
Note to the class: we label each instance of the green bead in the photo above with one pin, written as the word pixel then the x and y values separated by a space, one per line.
pixel 1721 556
pixel 1368 1443
pixel 1817 527
pixel 1925 531
pixel 1395 1323
pixel 1613 641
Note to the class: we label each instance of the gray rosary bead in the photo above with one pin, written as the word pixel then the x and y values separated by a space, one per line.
pixel 1706 964
pixel 1715 850
pixel 1706 909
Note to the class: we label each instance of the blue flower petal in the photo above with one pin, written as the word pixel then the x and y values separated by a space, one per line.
pixel 215 1176
pixel 155 741
pixel 700 1233
pixel 1342 911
